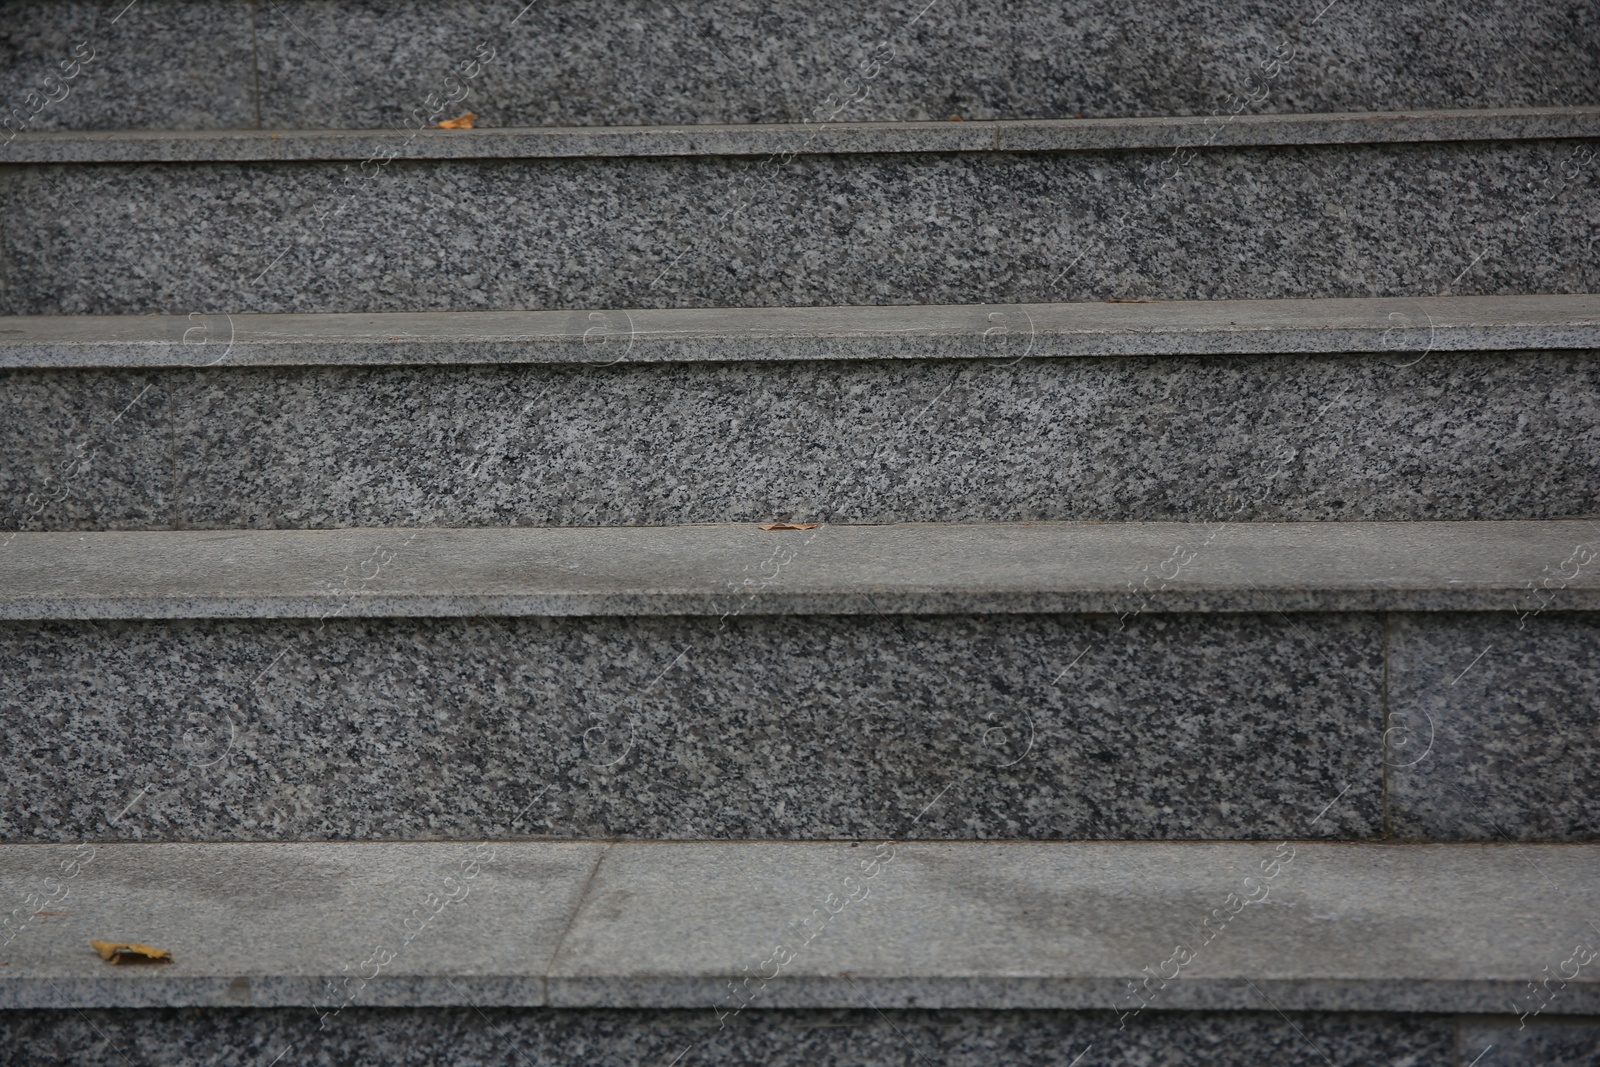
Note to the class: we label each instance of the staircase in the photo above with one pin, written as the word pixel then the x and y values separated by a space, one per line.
pixel 954 534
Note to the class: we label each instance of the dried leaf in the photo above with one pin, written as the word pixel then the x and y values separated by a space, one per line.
pixel 463 122
pixel 1120 300
pixel 128 952
pixel 788 526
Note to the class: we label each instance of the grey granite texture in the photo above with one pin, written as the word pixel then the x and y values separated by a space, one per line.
pixel 1187 439
pixel 85 450
pixel 738 928
pixel 612 1038
pixel 1511 704
pixel 183 64
pixel 583 234
pixel 910 569
pixel 938 727
pixel 369 63
pixel 774 139
pixel 111 64
pixel 1402 327
pixel 1540 1042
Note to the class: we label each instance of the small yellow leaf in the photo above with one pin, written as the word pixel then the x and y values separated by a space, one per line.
pixel 788 526
pixel 128 952
pixel 463 122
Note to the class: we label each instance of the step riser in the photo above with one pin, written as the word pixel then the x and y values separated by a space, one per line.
pixel 1273 438
pixel 390 729
pixel 355 65
pixel 778 1038
pixel 642 232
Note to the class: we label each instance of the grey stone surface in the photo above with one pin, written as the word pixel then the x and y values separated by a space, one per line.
pixel 1426 928
pixel 1183 439
pixel 364 63
pixel 111 64
pixel 84 449
pixel 1402 327
pixel 1532 1042
pixel 1195 439
pixel 611 1038
pixel 772 139
pixel 851 570
pixel 1336 927
pixel 1248 223
pixel 1338 128
pixel 1016 726
pixel 1510 705
pixel 277 924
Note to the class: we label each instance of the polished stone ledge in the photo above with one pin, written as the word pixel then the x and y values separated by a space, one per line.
pixel 1411 326
pixel 377 147
pixel 714 569
pixel 739 926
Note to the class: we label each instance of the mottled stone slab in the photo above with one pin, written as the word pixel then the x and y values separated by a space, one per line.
pixel 750 726
pixel 1536 1042
pixel 612 1038
pixel 112 64
pixel 82 449
pixel 316 926
pixel 1501 717
pixel 1122 568
pixel 1302 438
pixel 1432 928
pixel 345 63
pixel 975 228
pixel 1192 439
pixel 1406 328
pixel 811 138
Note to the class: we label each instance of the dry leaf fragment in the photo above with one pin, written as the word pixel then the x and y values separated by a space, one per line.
pixel 463 122
pixel 1120 300
pixel 788 526
pixel 128 952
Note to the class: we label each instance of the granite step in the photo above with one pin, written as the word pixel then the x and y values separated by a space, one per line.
pixel 733 929
pixel 1294 410
pixel 346 63
pixel 961 223
pixel 467 1036
pixel 1417 681
pixel 1005 332
pixel 806 138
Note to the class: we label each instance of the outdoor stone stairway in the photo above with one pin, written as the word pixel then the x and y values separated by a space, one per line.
pixel 723 564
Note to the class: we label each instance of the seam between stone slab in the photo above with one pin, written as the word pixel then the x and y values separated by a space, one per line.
pixel 931 568
pixel 786 139
pixel 572 917
pixel 1403 325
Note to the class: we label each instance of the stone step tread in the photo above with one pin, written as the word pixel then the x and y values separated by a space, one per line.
pixel 738 926
pixel 831 569
pixel 761 139
pixel 1415 325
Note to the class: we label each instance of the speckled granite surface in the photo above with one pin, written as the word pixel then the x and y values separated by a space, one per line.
pixel 604 1038
pixel 605 62
pixel 1532 1042
pixel 369 63
pixel 787 727
pixel 1514 715
pixel 85 450
pixel 1195 439
pixel 1370 220
pixel 154 64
